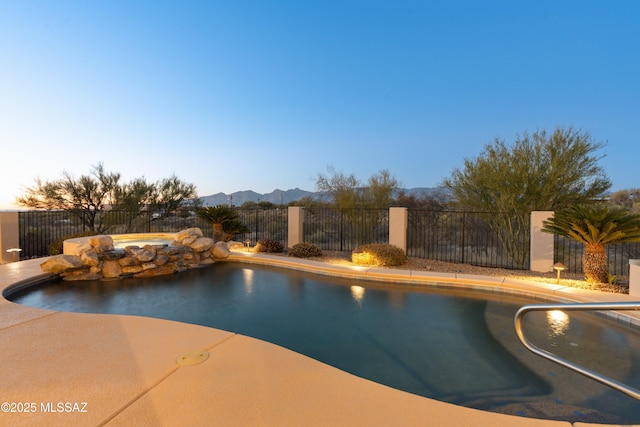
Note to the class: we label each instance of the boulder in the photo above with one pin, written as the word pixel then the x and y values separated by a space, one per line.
pixel 111 268
pixel 171 251
pixel 188 232
pixel 235 245
pixel 128 261
pixel 161 259
pixel 104 253
pixel 132 269
pixel 196 259
pixel 189 240
pixel 158 271
pixel 101 241
pixel 143 255
pixel 78 250
pixel 90 258
pixel 221 250
pixel 202 244
pixel 87 275
pixel 60 263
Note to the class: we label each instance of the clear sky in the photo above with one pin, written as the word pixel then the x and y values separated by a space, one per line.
pixel 259 95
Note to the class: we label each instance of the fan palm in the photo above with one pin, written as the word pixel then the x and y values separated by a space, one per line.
pixel 596 226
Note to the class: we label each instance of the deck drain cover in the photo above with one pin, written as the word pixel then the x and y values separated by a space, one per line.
pixel 192 358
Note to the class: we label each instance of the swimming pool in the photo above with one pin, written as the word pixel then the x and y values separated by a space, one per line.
pixel 454 346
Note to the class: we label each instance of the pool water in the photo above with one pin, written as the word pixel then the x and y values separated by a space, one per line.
pixel 454 346
pixel 121 241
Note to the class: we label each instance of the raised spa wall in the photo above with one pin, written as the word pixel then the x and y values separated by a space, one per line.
pixel 95 257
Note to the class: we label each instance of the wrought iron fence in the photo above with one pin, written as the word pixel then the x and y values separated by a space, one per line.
pixel 569 252
pixel 264 224
pixel 39 230
pixel 460 237
pixel 345 229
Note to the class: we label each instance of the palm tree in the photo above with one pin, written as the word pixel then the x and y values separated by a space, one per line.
pixel 596 226
pixel 224 220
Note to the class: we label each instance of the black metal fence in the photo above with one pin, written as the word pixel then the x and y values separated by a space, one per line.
pixel 264 224
pixel 569 252
pixel 460 237
pixel 345 229
pixel 39 231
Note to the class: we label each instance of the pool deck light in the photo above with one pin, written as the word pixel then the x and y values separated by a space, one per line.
pixel 15 252
pixel 558 266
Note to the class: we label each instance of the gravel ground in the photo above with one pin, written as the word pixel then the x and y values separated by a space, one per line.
pixel 419 264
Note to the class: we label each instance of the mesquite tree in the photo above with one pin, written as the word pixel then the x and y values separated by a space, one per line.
pixel 537 172
pixel 91 198
pixel 350 195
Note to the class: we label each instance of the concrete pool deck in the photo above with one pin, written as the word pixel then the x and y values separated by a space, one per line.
pixel 72 369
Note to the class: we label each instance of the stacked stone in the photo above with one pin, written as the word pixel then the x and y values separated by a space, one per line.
pixel 98 259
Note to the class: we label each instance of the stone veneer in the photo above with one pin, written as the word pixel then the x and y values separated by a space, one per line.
pixel 98 259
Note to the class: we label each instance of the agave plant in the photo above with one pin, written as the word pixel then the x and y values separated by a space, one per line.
pixel 596 226
pixel 224 220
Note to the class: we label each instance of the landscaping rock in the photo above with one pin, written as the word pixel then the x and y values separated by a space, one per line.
pixel 221 250
pixel 60 263
pixel 98 259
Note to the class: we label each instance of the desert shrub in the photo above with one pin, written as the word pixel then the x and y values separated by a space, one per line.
pixel 378 255
pixel 269 246
pixel 305 250
pixel 56 247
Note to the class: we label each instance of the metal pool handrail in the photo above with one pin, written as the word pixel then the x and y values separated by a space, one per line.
pixel 560 361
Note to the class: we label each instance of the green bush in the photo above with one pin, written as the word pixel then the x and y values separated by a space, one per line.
pixel 305 250
pixel 378 255
pixel 269 246
pixel 56 247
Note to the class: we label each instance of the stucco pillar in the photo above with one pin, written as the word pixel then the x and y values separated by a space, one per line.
pixel 9 237
pixel 634 277
pixel 541 258
pixel 295 225
pixel 398 220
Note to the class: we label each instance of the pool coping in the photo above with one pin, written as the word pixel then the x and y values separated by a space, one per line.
pixel 126 370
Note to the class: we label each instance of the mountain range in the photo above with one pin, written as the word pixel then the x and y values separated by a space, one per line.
pixel 280 197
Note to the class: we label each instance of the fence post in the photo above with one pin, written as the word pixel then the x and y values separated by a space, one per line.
pixel 295 225
pixel 464 222
pixel 398 220
pixel 9 237
pixel 634 277
pixel 341 229
pixel 541 255
pixel 256 225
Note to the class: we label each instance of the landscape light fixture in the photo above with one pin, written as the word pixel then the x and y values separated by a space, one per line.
pixel 15 252
pixel 248 243
pixel 558 266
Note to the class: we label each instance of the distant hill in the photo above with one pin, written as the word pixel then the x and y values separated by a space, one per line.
pixel 277 197
pixel 280 197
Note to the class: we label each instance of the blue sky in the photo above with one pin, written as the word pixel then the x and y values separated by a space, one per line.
pixel 239 95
